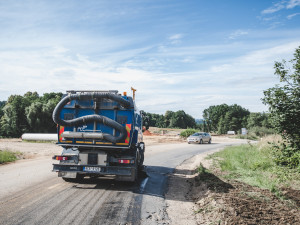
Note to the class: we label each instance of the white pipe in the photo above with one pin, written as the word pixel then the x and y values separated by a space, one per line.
pixel 39 137
pixel 68 134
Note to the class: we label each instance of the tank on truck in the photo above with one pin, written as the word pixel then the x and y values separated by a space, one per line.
pixel 100 133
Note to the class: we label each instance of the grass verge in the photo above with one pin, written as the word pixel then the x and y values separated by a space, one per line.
pixel 254 165
pixel 8 156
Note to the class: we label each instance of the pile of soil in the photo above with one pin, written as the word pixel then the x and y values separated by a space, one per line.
pixel 147 133
pixel 234 202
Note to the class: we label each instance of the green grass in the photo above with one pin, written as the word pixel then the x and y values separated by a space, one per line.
pixel 8 156
pixel 248 136
pixel 254 165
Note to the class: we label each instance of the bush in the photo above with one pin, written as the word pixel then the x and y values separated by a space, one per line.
pixel 7 156
pixel 261 131
pixel 284 106
pixel 286 155
pixel 188 132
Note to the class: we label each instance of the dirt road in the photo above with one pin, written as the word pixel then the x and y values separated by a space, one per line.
pixel 31 194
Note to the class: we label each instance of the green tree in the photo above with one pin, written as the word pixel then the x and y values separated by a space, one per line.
pixel 2 104
pixel 171 119
pixel 13 122
pixel 39 116
pixel 221 118
pixel 182 120
pixel 168 116
pixel 284 106
pixel 258 119
pixel 213 114
pixel 28 113
pixel 153 120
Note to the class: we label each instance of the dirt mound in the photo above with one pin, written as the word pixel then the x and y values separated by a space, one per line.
pixel 147 133
pixel 293 195
pixel 233 202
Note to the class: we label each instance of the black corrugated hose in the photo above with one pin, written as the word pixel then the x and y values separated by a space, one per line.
pixel 91 118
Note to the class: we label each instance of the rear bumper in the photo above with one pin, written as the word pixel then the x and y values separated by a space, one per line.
pixel 99 170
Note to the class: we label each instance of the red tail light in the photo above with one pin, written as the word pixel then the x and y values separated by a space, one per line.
pixel 61 158
pixel 126 161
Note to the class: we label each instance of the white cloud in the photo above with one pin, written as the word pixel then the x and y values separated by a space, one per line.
pixel 234 80
pixel 267 19
pixel 293 3
pixel 269 55
pixel 274 8
pixel 281 5
pixel 176 38
pixel 237 34
pixel 292 15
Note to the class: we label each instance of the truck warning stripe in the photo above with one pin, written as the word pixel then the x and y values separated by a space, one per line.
pixel 128 128
pixel 61 130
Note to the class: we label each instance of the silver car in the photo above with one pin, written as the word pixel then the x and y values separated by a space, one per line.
pixel 199 137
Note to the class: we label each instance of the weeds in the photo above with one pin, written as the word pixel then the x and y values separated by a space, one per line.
pixel 201 169
pixel 8 156
pixel 248 136
pixel 254 164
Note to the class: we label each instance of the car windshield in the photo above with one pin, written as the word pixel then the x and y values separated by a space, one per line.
pixel 195 134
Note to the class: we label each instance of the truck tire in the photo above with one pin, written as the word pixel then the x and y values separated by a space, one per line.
pixel 141 161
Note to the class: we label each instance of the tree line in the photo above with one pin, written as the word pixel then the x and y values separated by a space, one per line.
pixel 217 118
pixel 171 119
pixel 28 113
pixel 33 113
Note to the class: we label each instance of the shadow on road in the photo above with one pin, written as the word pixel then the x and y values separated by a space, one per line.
pixel 153 180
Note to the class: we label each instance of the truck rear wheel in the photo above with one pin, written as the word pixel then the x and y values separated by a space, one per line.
pixel 141 156
pixel 140 166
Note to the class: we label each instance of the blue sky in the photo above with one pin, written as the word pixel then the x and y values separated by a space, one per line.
pixel 177 54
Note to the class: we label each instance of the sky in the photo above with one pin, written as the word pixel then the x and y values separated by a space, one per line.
pixel 179 55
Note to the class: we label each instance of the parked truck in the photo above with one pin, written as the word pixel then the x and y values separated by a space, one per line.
pixel 100 133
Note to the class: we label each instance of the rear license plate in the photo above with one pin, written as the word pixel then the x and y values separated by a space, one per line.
pixel 91 169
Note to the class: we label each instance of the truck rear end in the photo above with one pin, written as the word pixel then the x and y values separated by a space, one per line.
pixel 100 133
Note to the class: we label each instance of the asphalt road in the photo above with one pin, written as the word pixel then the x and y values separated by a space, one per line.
pixel 31 194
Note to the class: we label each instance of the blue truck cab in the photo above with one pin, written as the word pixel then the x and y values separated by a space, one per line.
pixel 100 133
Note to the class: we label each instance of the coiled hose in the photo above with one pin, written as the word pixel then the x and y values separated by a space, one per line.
pixel 92 118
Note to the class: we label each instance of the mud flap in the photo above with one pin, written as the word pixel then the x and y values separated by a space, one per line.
pixel 131 178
